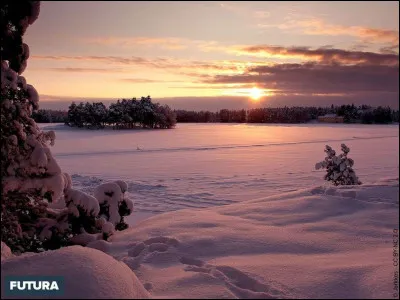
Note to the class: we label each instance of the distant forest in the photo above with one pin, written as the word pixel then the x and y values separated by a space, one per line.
pixel 144 113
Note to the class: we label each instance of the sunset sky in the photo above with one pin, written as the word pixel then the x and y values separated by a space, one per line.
pixel 205 55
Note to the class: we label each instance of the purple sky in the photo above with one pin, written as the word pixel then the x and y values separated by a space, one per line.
pixel 212 55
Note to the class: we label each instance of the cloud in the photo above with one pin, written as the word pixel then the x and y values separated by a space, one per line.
pixel 324 71
pixel 394 49
pixel 133 60
pixel 139 80
pixel 314 26
pixel 85 70
pixel 214 86
pixel 195 75
pixel 325 55
pixel 314 78
pixel 173 65
pixel 143 80
pixel 382 35
pixel 169 43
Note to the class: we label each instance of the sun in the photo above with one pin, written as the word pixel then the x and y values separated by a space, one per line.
pixel 255 93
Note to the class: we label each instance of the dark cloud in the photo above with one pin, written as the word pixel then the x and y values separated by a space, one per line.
pixel 392 49
pixel 316 78
pixel 324 55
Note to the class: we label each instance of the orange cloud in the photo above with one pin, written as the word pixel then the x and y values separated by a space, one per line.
pixel 320 27
pixel 170 43
pixel 176 66
pixel 144 80
pixel 165 43
pixel 86 70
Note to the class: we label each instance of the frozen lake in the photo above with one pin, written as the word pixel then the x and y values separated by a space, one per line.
pixel 202 165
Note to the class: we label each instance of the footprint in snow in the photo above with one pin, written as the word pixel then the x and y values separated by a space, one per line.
pixel 242 285
pixel 239 283
pixel 149 250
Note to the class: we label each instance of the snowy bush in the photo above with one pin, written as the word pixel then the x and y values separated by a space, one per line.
pixel 85 218
pixel 339 169
pixel 113 204
pixel 39 208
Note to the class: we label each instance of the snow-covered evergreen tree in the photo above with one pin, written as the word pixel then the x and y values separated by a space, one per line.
pixel 165 117
pixel 39 208
pixel 339 169
pixel 23 146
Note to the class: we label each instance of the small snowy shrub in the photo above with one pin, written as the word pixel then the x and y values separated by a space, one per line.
pixel 339 169
pixel 113 204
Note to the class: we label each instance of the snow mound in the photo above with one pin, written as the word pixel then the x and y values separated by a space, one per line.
pixel 89 273
pixel 321 242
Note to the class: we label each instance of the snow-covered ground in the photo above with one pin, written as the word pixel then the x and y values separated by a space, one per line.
pixel 318 243
pixel 237 212
pixel 314 243
pixel 203 165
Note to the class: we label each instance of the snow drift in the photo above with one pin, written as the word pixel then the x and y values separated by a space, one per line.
pixel 322 242
pixel 89 273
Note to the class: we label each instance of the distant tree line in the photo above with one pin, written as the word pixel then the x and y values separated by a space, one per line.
pixel 366 114
pixel 130 113
pixel 121 115
pixel 350 113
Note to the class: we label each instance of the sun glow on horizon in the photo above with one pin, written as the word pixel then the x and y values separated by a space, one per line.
pixel 256 93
